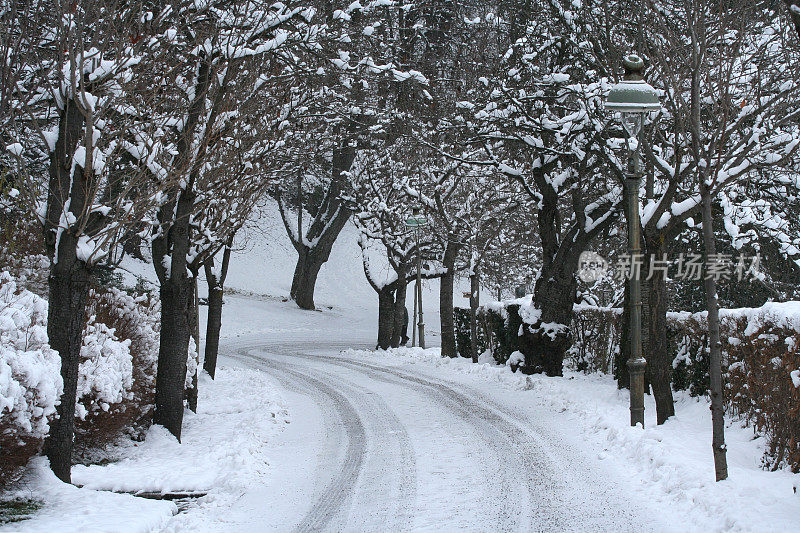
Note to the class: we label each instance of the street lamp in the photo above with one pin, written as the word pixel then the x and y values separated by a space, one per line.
pixel 633 98
pixel 415 222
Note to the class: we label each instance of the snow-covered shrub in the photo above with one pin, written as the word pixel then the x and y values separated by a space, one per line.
pixel 461 318
pixel 118 368
pixel 29 271
pixel 105 375
pixel 499 323
pixel 30 378
pixel 22 249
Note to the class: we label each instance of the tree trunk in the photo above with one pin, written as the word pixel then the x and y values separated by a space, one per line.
pixel 399 313
pixel 68 282
pixel 214 320
pixel 556 288
pixel 172 353
pixel 216 290
pixel 66 317
pixel 213 327
pixel 474 302
pixel 545 347
pixel 171 250
pixel 715 347
pixel 709 250
pixel 194 326
pixel 659 359
pixel 386 306
pixel 448 330
pixel 322 232
pixel 304 280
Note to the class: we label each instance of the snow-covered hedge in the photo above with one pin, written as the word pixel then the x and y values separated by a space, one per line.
pixel 29 271
pixel 117 375
pixel 30 378
pixel 118 367
pixel 105 375
pixel 761 358
pixel 116 378
pixel 498 329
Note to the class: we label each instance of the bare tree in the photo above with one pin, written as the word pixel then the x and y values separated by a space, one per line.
pixel 381 205
pixel 209 71
pixel 77 92
pixel 727 154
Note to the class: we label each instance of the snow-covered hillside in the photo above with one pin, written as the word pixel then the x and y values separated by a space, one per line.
pixel 262 266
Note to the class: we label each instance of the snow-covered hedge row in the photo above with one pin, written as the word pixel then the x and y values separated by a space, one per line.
pixel 761 360
pixel 118 367
pixel 30 378
pixel 761 364
pixel 118 371
pixel 116 379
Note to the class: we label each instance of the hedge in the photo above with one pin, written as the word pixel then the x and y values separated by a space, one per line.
pixel 761 360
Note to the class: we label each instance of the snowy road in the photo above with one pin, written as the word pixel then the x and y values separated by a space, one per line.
pixel 376 448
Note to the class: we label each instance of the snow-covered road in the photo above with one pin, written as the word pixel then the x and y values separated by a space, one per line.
pixel 379 448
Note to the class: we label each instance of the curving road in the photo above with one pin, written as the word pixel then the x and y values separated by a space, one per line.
pixel 375 448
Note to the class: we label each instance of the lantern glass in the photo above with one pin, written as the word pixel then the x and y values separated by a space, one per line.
pixel 633 123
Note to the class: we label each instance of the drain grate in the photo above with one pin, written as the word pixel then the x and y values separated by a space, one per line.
pixel 184 500
pixel 18 510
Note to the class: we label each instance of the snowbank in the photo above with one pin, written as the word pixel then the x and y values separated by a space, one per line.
pixel 223 449
pixel 68 509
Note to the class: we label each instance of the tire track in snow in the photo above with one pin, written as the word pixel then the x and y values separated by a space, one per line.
pixel 534 482
pixel 336 496
pixel 518 460
pixel 562 498
pixel 392 460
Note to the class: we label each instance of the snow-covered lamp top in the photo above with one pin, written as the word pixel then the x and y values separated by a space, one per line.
pixel 633 94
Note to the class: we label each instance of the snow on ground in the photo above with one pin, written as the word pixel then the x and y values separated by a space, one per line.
pixel 220 448
pixel 231 447
pixel 70 509
pixel 236 446
pixel 671 464
pixel 223 451
pixel 272 319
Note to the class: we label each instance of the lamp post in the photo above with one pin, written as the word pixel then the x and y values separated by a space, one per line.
pixel 633 98
pixel 415 222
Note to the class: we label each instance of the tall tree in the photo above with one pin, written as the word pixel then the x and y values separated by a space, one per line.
pixel 539 123
pixel 76 91
pixel 209 50
pixel 733 150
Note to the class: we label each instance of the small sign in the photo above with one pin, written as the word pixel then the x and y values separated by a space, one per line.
pixel 416 221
